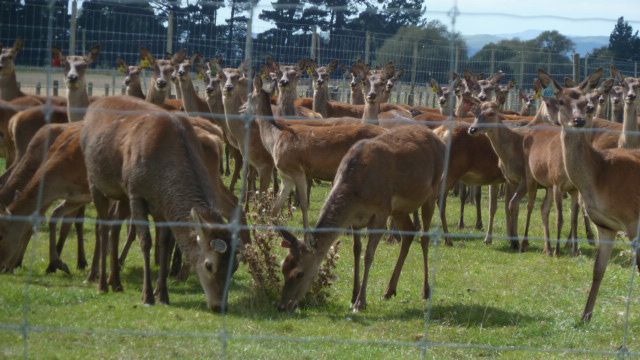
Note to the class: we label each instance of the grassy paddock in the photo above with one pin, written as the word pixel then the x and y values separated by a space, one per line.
pixel 487 302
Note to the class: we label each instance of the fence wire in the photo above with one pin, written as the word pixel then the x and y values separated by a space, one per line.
pixel 162 28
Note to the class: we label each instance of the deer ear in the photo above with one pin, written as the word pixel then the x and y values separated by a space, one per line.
pixel 179 57
pixel 511 84
pixel 121 63
pixel 435 87
pixel 18 45
pixel 497 77
pixel 333 65
pixel 92 55
pixel 57 53
pixel 218 245
pixel 592 81
pixel 568 82
pixel 606 86
pixel 550 85
pixel 145 54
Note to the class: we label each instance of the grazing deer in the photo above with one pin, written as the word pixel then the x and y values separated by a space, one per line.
pixel 629 138
pixel 302 152
pixel 605 178
pixel 9 89
pixel 233 84
pixel 74 70
pixel 159 85
pixel 132 78
pixel 120 166
pixel 390 175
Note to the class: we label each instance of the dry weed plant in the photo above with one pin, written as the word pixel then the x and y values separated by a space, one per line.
pixel 263 256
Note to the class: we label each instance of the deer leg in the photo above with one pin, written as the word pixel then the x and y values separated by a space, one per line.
pixel 557 196
pixel 603 253
pixel 463 200
pixel 139 214
pixel 427 215
pixel 176 262
pixel 357 251
pixel 514 196
pixel 531 202
pixel 276 185
pixel 237 167
pixel 301 185
pixel 227 150
pixel 545 209
pixel 478 198
pixel 377 224
pixel 131 236
pixel 587 222
pixel 55 262
pixel 166 245
pixel 405 225
pixel 443 219
pixel 104 213
pixel 79 226
pixel 283 195
pixel 93 273
pixel 573 234
pixel 493 206
pixel 122 212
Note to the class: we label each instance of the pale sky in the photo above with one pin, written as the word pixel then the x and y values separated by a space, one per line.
pixel 550 15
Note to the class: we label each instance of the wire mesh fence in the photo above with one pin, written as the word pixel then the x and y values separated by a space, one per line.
pixel 121 30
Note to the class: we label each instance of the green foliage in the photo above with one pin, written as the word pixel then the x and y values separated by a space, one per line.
pixel 623 42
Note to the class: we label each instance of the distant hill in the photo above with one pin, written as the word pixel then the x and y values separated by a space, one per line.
pixel 584 44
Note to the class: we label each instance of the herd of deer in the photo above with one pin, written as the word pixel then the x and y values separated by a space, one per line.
pixel 136 155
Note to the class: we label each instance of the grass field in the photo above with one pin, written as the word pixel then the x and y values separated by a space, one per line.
pixel 488 302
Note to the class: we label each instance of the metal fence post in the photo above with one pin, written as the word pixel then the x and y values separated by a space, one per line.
pixel 521 74
pixel 55 87
pixel 90 89
pixel 314 45
pixel 635 69
pixel 414 68
pixel 170 32
pixel 84 41
pixel 576 67
pixel 73 27
pixel 367 48
pixel 586 66
pixel 492 62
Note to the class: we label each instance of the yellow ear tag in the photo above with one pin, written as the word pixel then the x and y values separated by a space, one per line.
pixel 309 71
pixel 122 69
pixel 200 76
pixel 145 64
pixel 538 94
pixel 433 88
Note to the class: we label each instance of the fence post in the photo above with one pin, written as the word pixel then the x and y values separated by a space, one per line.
pixel 521 74
pixel 576 67
pixel 492 62
pixel 123 89
pixel 314 45
pixel 73 27
pixel 90 89
pixel 84 41
pixel 367 48
pixel 414 68
pixel 38 88
pixel 106 89
pixel 586 65
pixel 635 69
pixel 55 87
pixel 170 32
pixel 548 61
pixel 457 59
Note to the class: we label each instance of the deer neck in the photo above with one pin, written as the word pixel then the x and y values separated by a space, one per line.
pixel 232 106
pixel 357 97
pixel 193 104
pixel 629 138
pixel 581 161
pixel 618 114
pixel 541 116
pixel 9 89
pixel 386 95
pixel 179 92
pixel 135 90
pixel 286 100
pixel 154 95
pixel 371 112
pixel 459 108
pixel 601 110
pixel 77 101
pixel 321 101
pixel 504 142
pixel 215 104
pixel 269 132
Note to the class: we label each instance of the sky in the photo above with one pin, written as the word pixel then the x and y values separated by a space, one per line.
pixel 473 17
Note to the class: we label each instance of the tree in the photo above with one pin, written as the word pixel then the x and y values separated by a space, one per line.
pixel 623 42
pixel 554 42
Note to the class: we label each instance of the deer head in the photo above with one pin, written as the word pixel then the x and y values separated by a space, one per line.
pixel 183 70
pixel 322 74
pixel 233 81
pixel 288 75
pixel 630 86
pixel 358 72
pixel 299 269
pixel 131 72
pixel 482 88
pixel 212 79
pixel 572 102
pixel 487 115
pixel 163 69
pixel 375 83
pixel 8 56
pixel 214 256
pixel 75 66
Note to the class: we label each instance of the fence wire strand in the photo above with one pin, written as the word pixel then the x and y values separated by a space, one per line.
pixel 440 60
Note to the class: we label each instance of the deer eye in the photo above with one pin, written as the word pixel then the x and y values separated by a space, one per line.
pixel 209 266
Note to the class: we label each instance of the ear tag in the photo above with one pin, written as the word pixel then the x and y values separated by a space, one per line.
pixel 145 64
pixel 548 91
pixel 122 69
pixel 200 76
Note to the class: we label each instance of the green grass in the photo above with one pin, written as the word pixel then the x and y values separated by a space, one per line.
pixel 487 302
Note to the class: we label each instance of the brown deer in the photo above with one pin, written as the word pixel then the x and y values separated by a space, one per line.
pixel 616 97
pixel 527 106
pixel 390 175
pixel 302 152
pixel 160 82
pixel 233 84
pixel 629 138
pixel 605 179
pixel 74 69
pixel 121 167
pixel 7 111
pixel 288 77
pixel 358 69
pixel 9 88
pixel 131 78
pixel 507 143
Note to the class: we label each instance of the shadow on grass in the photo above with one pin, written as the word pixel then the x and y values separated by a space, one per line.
pixel 479 315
